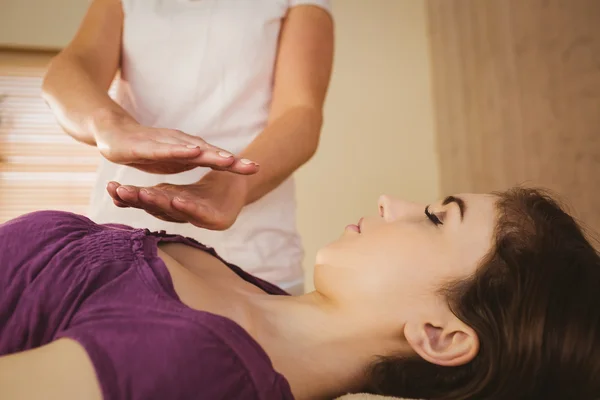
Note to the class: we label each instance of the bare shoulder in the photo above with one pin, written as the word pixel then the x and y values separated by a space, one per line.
pixel 59 370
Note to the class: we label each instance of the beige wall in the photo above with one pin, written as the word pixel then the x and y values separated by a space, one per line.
pixel 39 23
pixel 378 135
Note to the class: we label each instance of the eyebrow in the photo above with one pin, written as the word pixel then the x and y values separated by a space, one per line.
pixel 459 202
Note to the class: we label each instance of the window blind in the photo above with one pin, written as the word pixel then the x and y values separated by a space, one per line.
pixel 41 166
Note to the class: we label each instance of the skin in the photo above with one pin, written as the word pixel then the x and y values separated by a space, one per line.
pixel 76 87
pixel 376 294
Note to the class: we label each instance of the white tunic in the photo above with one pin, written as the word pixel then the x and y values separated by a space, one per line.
pixel 206 67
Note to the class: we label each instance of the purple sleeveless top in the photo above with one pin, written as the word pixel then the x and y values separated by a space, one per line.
pixel 62 275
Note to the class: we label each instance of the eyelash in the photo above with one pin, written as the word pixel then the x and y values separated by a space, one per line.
pixel 433 217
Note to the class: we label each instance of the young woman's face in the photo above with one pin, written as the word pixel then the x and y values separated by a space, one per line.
pixel 393 264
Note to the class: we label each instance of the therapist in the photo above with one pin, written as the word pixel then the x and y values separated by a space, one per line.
pixel 218 103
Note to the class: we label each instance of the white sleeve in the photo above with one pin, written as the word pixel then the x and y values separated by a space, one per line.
pixel 324 4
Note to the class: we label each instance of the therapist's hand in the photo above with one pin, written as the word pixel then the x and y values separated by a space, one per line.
pixel 164 151
pixel 213 203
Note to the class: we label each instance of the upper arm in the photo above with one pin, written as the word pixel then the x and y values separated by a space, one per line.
pixel 60 370
pixel 304 60
pixel 97 43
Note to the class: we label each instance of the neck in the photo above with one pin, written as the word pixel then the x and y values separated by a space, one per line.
pixel 322 350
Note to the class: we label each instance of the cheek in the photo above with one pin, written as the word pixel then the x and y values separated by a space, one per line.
pixel 403 271
pixel 353 267
pixel 411 269
pixel 381 254
pixel 467 255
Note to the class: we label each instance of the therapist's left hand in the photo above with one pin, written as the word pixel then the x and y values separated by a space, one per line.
pixel 213 203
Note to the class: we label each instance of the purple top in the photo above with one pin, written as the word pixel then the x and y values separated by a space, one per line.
pixel 62 275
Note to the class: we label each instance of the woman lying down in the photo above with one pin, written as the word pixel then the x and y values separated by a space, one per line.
pixel 473 297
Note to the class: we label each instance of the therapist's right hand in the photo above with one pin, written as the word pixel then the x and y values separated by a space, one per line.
pixel 164 151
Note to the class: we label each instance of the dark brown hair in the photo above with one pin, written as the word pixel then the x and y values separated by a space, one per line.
pixel 535 306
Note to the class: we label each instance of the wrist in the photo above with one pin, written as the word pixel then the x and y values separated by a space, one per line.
pixel 108 120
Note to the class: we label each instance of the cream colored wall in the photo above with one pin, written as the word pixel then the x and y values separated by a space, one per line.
pixel 378 135
pixel 39 23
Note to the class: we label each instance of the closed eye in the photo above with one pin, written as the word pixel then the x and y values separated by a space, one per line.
pixel 433 217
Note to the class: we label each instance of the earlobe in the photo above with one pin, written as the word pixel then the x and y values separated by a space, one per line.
pixel 447 344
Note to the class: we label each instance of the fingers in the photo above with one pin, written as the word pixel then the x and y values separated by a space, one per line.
pixel 232 164
pixel 158 202
pixel 214 157
pixel 151 151
pixel 187 156
pixel 177 207
pixel 168 151
pixel 131 196
pixel 112 191
pixel 170 203
pixel 244 167
pixel 127 192
pixel 172 151
pixel 128 195
pixel 211 154
pixel 147 201
pixel 166 203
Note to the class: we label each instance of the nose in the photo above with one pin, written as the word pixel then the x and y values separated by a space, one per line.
pixel 392 209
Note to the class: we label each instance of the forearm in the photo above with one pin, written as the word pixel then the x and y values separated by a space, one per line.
pixel 286 144
pixel 302 74
pixel 79 102
pixel 59 370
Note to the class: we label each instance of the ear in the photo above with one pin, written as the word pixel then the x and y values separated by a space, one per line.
pixel 448 343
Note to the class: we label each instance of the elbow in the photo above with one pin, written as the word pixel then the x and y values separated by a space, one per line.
pixel 46 89
pixel 315 121
pixel 304 124
pixel 317 127
pixel 309 155
pixel 46 85
pixel 50 77
pixel 313 146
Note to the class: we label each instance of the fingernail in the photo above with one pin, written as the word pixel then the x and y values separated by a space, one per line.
pixel 124 188
pixel 224 154
pixel 247 162
pixel 191 146
pixel 179 199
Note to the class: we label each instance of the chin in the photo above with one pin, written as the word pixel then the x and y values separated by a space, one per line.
pixel 321 257
pixel 324 254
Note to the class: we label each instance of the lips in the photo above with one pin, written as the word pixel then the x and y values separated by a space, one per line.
pixel 355 227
